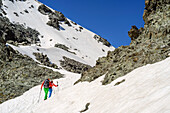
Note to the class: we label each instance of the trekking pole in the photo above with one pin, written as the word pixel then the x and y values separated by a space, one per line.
pixel 39 96
pixel 57 87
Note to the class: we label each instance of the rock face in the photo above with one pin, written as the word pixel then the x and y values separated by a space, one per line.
pixel 54 17
pixel 134 32
pixel 18 73
pixel 44 10
pixel 45 60
pixel 102 40
pixel 61 46
pixel 17 33
pixel 74 66
pixel 148 45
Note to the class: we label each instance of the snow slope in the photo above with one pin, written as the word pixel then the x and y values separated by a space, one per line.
pixel 87 49
pixel 145 90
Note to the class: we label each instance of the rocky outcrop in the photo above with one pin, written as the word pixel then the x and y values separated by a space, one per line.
pixel 73 66
pixel 152 7
pixel 54 16
pixel 148 45
pixel 54 23
pixel 17 33
pixel 44 10
pixel 45 60
pixel 133 33
pixel 102 40
pixel 61 46
pixel 18 73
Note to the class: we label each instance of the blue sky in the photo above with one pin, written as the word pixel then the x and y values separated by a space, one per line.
pixel 111 19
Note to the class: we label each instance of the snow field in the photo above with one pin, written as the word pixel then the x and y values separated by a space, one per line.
pixel 145 90
pixel 82 43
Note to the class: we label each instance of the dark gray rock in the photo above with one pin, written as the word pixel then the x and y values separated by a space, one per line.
pixel 26 11
pixel 102 40
pixel 17 33
pixel 16 14
pixel 134 32
pixel 44 9
pixel 73 23
pixel 54 17
pixel 74 66
pixel 86 108
pixel 19 73
pixel 61 46
pixel 54 23
pixel 45 60
pixel 67 22
pixel 57 15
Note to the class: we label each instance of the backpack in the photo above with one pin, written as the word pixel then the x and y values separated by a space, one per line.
pixel 46 83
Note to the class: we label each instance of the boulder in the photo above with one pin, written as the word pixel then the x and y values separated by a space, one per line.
pixel 134 32
pixel 44 9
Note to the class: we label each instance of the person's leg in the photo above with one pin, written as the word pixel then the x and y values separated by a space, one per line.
pixel 46 93
pixel 50 92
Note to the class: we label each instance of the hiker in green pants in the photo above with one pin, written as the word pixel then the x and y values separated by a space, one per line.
pixel 46 87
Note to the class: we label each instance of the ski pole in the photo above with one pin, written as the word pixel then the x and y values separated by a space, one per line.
pixel 57 86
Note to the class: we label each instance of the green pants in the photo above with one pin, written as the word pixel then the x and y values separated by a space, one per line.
pixel 46 93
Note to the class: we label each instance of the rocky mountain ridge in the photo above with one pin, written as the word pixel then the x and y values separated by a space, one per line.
pixel 148 45
pixel 18 73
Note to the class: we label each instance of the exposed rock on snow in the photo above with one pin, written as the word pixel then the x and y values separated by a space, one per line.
pixel 63 47
pixel 19 73
pixel 102 40
pixel 74 66
pixel 44 9
pixel 86 108
pixel 148 45
pixel 45 60
pixel 54 17
pixel 17 33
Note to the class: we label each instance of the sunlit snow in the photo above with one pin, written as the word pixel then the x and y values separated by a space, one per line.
pixel 145 90
pixel 82 43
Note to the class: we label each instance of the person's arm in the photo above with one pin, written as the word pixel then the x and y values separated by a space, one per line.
pixel 55 85
pixel 42 85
